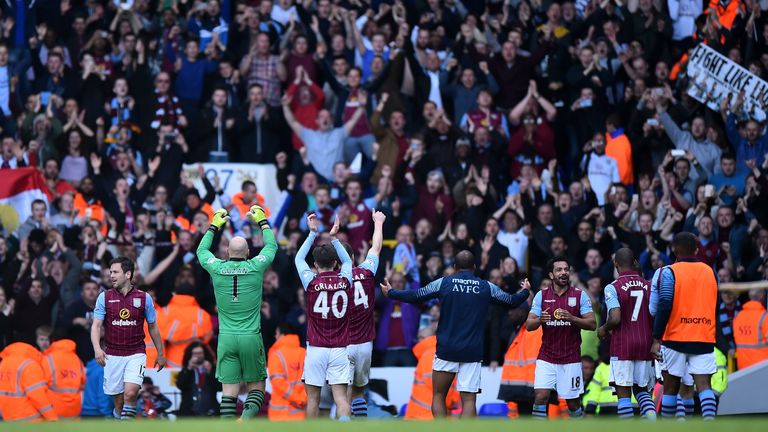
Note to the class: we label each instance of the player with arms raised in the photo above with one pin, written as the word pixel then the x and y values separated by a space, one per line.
pixel 123 310
pixel 362 328
pixel 562 311
pixel 237 285
pixel 328 294
pixel 630 325
pixel 464 301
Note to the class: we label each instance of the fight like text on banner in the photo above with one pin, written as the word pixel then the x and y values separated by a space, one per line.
pixel 714 77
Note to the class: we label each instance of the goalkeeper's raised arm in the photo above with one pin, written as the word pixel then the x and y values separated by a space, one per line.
pixel 220 218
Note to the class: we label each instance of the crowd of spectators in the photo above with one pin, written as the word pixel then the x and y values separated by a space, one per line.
pixel 516 129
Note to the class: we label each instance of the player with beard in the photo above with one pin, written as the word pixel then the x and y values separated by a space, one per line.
pixel 562 311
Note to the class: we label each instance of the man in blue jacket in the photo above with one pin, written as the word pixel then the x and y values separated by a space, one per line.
pixel 464 300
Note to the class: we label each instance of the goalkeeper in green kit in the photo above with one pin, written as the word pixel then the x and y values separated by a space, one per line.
pixel 237 284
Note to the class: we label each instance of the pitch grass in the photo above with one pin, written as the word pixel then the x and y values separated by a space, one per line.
pixel 730 424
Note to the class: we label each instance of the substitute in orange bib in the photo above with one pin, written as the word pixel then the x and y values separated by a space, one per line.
pixel 420 405
pixel 684 328
pixel 65 375
pixel 750 331
pixel 285 365
pixel 184 321
pixel 23 390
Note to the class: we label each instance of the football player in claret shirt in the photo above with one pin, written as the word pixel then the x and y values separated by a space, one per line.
pixel 123 310
pixel 328 297
pixel 362 328
pixel 630 325
pixel 562 311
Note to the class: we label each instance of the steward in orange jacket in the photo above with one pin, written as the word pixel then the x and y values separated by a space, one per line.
pixel 750 332
pixel 23 389
pixel 248 197
pixel 65 375
pixel 285 364
pixel 519 368
pixel 185 322
pixel 420 405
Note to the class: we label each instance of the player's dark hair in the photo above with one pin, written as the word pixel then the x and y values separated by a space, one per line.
pixel 287 328
pixel 684 244
pixel 624 258
pixel 125 263
pixel 325 256
pixel 465 260
pixel 246 184
pixel 551 262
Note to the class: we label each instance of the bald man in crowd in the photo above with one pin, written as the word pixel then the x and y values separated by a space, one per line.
pixel 237 284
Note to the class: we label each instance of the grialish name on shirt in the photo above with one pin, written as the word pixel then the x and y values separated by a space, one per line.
pixel 330 286
pixel 124 323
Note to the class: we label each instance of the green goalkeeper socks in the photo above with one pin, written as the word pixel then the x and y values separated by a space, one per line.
pixel 228 407
pixel 252 404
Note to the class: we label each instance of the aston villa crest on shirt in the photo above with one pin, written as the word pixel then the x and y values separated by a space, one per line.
pixel 571 301
pixel 136 302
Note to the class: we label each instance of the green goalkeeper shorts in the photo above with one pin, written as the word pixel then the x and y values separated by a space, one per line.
pixel 241 359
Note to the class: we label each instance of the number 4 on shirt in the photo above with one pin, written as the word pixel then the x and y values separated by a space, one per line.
pixel 361 298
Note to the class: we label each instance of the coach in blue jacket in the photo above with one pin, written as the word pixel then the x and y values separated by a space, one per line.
pixel 464 302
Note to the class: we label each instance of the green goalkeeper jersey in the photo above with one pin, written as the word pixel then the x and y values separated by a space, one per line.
pixel 237 284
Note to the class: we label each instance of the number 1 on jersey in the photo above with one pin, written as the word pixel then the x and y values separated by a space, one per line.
pixel 638 295
pixel 361 298
pixel 234 288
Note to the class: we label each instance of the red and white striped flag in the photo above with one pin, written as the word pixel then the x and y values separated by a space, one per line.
pixel 18 188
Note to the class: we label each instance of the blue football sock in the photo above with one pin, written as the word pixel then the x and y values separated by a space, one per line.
pixel 647 409
pixel 359 408
pixel 129 412
pixel 668 405
pixel 708 404
pixel 540 411
pixel 625 408
pixel 579 413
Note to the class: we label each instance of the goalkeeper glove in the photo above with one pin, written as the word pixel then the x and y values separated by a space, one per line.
pixel 219 218
pixel 257 215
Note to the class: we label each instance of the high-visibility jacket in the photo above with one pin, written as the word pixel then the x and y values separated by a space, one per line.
pixel 599 394
pixel 726 15
pixel 185 322
pixel 620 149
pixel 750 332
pixel 65 375
pixel 719 381
pixel 96 209
pixel 520 360
pixel 24 392
pixel 187 225
pixel 244 207
pixel 285 365
pixel 693 310
pixel 160 320
pixel 420 405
